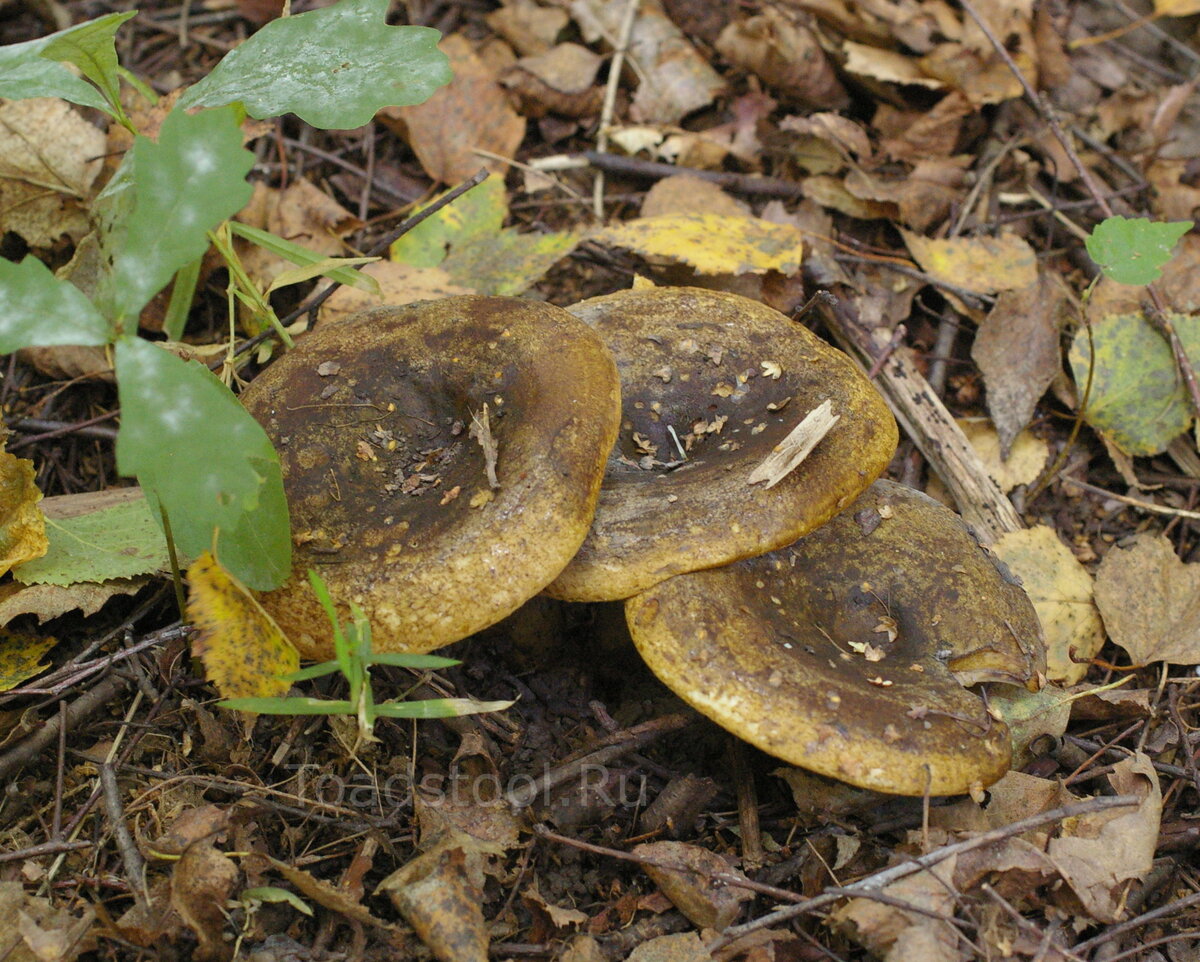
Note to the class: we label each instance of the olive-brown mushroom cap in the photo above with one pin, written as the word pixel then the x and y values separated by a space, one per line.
pixel 388 489
pixel 846 653
pixel 731 377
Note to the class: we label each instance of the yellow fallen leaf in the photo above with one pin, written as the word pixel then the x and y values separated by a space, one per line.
pixel 243 651
pixel 1061 592
pixel 21 656
pixel 712 243
pixel 1026 458
pixel 22 526
pixel 983 265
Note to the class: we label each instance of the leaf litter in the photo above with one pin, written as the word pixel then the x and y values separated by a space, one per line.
pixel 949 241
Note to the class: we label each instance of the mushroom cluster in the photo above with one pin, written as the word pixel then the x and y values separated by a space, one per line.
pixel 446 461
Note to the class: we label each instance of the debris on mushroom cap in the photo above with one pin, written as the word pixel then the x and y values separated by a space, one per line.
pixel 711 384
pixel 847 652
pixel 389 426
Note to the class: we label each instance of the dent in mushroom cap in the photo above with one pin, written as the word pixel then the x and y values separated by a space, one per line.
pixel 711 383
pixel 846 653
pixel 388 487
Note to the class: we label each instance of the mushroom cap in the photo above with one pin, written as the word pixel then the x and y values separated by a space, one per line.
pixel 388 489
pixel 846 653
pixel 732 378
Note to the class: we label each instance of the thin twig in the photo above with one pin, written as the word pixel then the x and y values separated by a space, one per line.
pixel 888 876
pixel 610 98
pixel 1132 502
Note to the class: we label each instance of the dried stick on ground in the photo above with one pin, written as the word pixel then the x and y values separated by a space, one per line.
pixel 924 418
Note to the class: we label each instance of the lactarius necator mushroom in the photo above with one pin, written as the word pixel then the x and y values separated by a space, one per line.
pixel 847 653
pixel 711 385
pixel 441 462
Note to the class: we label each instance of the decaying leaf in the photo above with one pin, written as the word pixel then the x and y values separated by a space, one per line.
pixel 243 651
pixel 202 880
pixel 1061 591
pixel 22 526
pixel 21 657
pixel 471 112
pixel 1137 399
pixel 1017 350
pixel 49 601
pixel 710 243
pixel 1150 602
pixel 685 874
pixel 1026 456
pixel 38 930
pixel 984 265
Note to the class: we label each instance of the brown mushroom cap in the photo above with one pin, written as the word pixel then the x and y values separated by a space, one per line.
pixel 388 489
pixel 732 378
pixel 846 653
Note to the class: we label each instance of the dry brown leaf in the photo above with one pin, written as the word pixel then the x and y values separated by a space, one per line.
pixel 49 159
pixel 983 265
pixel 559 81
pixel 37 930
pixel 673 78
pixel 1062 594
pixel 786 55
pixel 442 899
pixel 202 880
pixel 913 135
pixel 876 63
pixel 1017 350
pixel 1150 602
pixel 923 196
pixel 50 601
pixel 687 194
pixel 22 525
pixel 898 935
pixel 681 947
pixel 398 283
pixel 685 874
pixel 1105 851
pixel 528 26
pixel 471 112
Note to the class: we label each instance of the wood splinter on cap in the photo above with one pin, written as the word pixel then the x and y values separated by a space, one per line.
pixel 797 446
pixel 481 431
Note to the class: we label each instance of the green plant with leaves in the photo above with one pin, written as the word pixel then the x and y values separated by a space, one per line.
pixel 353 658
pixel 205 464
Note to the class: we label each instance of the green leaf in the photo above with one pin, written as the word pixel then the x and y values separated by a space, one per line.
pixel 184 185
pixel 183 292
pixel 314 671
pixel 38 309
pixel 120 541
pixel 270 893
pixel 90 47
pixel 200 454
pixel 289 706
pixel 1137 399
pixel 402 659
pixel 333 68
pixel 480 212
pixel 25 73
pixel 438 708
pixel 1133 251
pixel 303 257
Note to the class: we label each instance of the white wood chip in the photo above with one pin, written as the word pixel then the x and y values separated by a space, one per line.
pixel 797 446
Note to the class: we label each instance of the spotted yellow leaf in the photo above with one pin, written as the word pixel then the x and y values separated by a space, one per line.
pixel 21 657
pixel 983 265
pixel 22 526
pixel 243 651
pixel 711 243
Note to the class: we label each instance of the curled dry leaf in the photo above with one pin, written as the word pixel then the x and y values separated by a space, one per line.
pixel 686 874
pixel 1150 602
